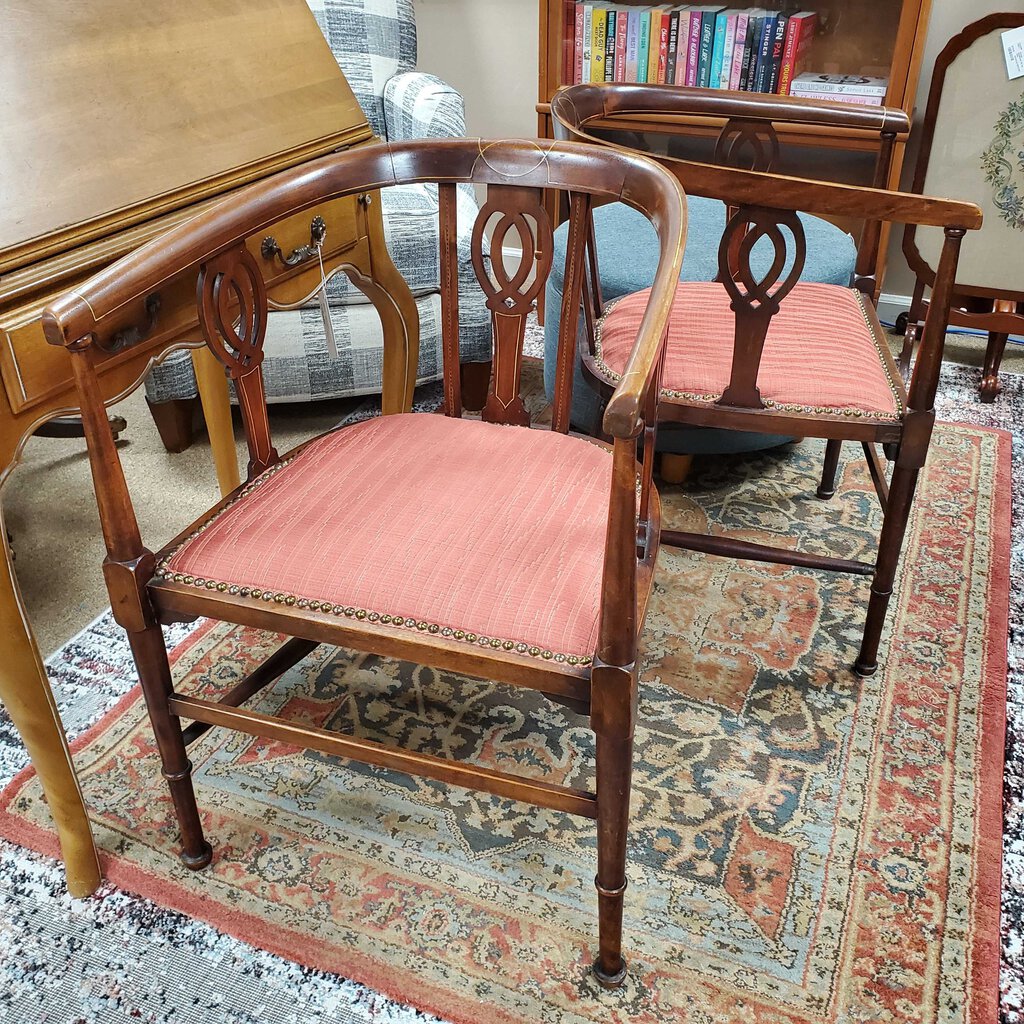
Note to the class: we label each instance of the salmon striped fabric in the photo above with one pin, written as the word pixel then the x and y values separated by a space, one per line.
pixel 496 531
pixel 822 353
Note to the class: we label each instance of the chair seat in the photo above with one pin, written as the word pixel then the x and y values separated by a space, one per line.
pixel 487 534
pixel 825 352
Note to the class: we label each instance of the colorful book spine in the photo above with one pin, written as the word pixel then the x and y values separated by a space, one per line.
pixel 682 47
pixel 652 54
pixel 609 45
pixel 643 49
pixel 707 42
pixel 568 41
pixel 728 49
pixel 718 51
pixel 739 47
pixel 662 69
pixel 764 53
pixel 588 40
pixel 597 45
pixel 778 44
pixel 632 45
pixel 867 100
pixel 578 46
pixel 693 50
pixel 673 47
pixel 750 52
pixel 621 39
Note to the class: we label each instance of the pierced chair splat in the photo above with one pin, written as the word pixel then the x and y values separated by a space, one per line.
pixel 412 536
pixel 759 350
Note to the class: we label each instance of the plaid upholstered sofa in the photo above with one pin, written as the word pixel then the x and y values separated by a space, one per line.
pixel 374 42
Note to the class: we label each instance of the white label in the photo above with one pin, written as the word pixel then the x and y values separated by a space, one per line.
pixel 1013 51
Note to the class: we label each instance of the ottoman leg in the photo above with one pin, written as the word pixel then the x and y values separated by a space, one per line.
pixel 675 468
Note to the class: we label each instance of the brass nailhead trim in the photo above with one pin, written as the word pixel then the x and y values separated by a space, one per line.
pixel 163 572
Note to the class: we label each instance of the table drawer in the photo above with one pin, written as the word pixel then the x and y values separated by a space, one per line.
pixel 33 370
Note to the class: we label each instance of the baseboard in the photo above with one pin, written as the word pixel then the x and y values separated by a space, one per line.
pixel 890 306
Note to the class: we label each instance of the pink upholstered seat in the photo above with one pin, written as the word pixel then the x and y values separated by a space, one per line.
pixel 455 526
pixel 824 353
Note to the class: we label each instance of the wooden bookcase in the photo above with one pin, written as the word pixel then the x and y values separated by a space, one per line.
pixel 883 38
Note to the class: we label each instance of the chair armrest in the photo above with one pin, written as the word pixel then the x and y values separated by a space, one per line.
pixel 421 106
pixel 591 102
pixel 628 406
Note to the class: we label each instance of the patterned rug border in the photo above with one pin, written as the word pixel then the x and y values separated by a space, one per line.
pixel 989 871
pixel 983 1002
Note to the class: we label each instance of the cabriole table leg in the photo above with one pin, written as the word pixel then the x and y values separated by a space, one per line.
pixel 25 692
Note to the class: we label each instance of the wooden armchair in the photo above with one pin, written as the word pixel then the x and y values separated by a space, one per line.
pixel 409 536
pixel 768 353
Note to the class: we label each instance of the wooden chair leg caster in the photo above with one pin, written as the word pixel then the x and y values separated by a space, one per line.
pixel 675 468
pixel 616 980
pixel 199 860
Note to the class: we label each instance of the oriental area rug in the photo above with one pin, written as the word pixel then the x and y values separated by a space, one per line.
pixel 806 846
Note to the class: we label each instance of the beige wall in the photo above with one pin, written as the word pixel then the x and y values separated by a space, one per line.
pixel 488 50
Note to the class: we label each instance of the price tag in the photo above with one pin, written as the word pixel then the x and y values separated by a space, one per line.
pixel 1013 51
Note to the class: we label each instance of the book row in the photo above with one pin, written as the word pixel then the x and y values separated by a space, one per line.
pixel 704 46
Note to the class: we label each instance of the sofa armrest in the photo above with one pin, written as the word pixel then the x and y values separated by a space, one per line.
pixel 421 106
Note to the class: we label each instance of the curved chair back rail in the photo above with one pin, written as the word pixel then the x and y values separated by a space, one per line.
pixel 638 100
pixel 96 311
pixel 575 108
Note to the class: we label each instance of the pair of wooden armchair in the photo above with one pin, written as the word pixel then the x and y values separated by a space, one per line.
pixel 419 537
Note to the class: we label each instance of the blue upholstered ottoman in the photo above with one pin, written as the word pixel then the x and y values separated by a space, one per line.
pixel 627 257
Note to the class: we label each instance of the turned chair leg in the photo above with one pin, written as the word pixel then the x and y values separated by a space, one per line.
pixel 475 379
pixel 827 487
pixel 990 374
pixel 894 526
pixel 155 677
pixel 614 757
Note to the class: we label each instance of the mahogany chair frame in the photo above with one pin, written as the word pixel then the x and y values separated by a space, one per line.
pixel 999 313
pixel 208 253
pixel 764 205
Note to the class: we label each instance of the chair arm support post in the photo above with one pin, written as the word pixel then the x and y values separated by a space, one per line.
pixel 117 515
pixel 917 433
pixel 865 278
pixel 925 381
pixel 614 698
pixel 126 585
pixel 618 625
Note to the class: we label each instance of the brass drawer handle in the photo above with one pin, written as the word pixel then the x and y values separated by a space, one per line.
pixel 317 233
pixel 134 333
